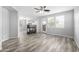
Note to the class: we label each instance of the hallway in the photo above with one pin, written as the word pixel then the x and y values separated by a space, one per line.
pixel 40 43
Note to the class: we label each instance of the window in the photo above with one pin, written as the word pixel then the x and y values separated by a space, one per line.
pixel 57 21
pixel 60 21
pixel 51 21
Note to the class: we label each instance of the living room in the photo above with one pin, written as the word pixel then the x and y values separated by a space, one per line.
pixel 39 28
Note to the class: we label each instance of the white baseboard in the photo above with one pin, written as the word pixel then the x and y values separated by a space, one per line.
pixel 4 39
pixel 60 35
pixel 9 38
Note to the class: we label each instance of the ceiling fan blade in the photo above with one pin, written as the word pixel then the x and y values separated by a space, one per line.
pixel 37 11
pixel 44 6
pixel 41 7
pixel 36 8
pixel 46 10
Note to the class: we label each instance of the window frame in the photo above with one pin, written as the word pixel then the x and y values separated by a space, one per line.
pixel 55 20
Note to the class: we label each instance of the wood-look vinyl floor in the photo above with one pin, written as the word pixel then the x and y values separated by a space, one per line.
pixel 40 43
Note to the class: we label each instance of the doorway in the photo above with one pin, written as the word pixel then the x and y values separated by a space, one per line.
pixel 44 27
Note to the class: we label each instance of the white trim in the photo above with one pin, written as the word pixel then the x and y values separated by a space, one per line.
pixel 10 38
pixel 60 35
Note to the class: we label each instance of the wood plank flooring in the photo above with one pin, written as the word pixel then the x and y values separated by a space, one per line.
pixel 40 43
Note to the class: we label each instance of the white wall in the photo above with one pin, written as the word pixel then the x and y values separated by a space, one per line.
pixel 9 23
pixel 13 24
pixel 39 20
pixel 68 29
pixel 76 28
pixel 5 24
pixel 0 28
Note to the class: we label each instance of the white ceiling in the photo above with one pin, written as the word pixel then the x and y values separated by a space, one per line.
pixel 9 8
pixel 30 11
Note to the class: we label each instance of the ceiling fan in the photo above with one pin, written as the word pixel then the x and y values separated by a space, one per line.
pixel 42 8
